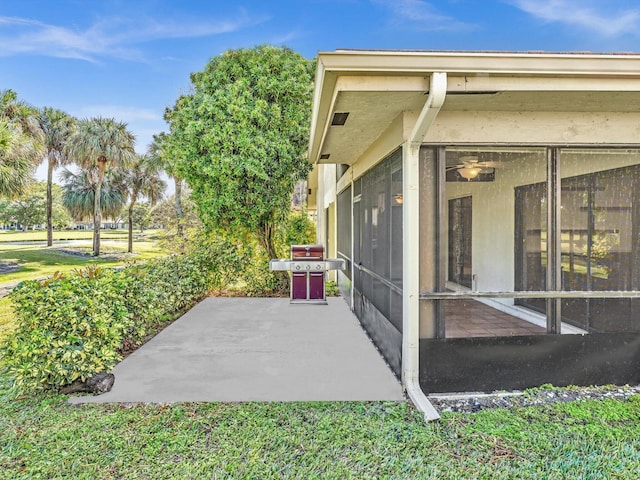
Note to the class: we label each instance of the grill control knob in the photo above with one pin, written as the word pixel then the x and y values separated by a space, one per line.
pixel 308 267
pixel 318 267
pixel 297 267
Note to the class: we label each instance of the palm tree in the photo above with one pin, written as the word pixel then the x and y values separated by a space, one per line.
pixel 143 179
pixel 96 143
pixel 80 190
pixel 56 127
pixel 16 164
pixel 161 149
pixel 20 144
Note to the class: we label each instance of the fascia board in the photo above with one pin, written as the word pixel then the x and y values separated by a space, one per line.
pixel 483 62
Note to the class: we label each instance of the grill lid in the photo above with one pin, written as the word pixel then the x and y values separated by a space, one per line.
pixel 307 252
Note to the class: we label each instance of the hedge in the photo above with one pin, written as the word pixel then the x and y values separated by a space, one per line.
pixel 71 327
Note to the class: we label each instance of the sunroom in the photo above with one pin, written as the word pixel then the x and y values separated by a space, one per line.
pixel 487 206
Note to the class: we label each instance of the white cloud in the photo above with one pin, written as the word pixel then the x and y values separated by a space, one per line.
pixel 109 37
pixel 580 13
pixel 285 38
pixel 421 13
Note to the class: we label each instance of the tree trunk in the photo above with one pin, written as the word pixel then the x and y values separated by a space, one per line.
pixel 130 249
pixel 97 213
pixel 178 197
pixel 49 204
pixel 266 240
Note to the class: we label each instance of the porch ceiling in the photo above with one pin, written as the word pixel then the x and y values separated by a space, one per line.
pixel 372 112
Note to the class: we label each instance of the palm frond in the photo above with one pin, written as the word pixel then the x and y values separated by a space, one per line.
pixel 57 127
pixel 16 160
pixel 101 140
pixel 79 193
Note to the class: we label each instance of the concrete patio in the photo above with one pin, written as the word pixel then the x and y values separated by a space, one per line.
pixel 255 349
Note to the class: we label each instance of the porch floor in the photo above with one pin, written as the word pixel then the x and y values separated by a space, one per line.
pixel 470 318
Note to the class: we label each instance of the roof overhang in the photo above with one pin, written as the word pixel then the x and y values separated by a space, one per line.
pixel 374 87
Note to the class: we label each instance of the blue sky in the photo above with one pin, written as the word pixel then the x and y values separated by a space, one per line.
pixel 129 59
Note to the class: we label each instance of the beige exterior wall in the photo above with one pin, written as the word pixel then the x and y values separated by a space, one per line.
pixel 535 127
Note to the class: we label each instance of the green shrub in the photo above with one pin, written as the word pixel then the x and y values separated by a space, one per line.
pixel 331 289
pixel 179 281
pixel 298 229
pixel 223 256
pixel 68 328
pixel 71 327
pixel 258 280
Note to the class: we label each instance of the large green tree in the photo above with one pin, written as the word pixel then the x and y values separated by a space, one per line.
pixel 27 210
pixel 20 144
pixel 30 208
pixel 57 127
pixel 242 137
pixel 165 214
pixel 142 179
pixel 96 144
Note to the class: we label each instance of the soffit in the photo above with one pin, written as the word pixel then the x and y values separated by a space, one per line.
pixel 371 113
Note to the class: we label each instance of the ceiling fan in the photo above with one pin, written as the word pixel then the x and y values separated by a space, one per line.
pixel 469 167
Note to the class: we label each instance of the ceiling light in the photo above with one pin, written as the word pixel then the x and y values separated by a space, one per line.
pixel 469 172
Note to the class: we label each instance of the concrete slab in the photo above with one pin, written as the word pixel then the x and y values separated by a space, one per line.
pixel 255 349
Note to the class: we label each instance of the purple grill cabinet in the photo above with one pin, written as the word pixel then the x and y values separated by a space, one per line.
pixel 308 267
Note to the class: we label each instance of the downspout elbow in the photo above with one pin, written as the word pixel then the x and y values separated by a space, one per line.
pixel 420 400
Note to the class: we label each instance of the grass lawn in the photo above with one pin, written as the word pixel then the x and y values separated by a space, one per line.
pixel 41 235
pixel 38 260
pixel 46 438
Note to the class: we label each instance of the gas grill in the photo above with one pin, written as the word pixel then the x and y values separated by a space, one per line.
pixel 308 267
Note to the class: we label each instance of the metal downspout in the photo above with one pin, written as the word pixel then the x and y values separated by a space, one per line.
pixel 411 240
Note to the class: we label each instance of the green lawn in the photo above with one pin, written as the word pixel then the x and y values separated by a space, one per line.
pixel 38 260
pixel 41 235
pixel 46 438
